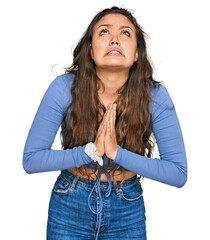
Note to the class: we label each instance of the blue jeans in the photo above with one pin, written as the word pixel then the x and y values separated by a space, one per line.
pixel 81 209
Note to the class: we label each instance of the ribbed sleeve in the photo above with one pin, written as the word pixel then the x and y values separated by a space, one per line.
pixel 38 155
pixel 171 167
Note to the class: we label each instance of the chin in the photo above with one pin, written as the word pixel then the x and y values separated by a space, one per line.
pixel 118 66
pixel 115 64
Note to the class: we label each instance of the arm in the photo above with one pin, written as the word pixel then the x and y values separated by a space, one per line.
pixel 171 168
pixel 38 155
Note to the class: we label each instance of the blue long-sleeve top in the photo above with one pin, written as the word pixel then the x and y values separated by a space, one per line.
pixel 170 168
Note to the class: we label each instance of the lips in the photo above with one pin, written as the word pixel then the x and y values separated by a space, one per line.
pixel 114 52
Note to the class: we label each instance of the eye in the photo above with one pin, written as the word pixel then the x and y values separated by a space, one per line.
pixel 103 32
pixel 125 32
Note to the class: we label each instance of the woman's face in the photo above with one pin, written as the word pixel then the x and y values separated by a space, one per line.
pixel 114 44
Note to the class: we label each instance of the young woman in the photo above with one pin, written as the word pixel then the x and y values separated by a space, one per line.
pixel 109 107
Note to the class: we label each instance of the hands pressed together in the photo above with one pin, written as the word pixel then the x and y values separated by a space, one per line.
pixel 106 141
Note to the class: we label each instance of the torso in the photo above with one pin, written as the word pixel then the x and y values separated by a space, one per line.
pixel 118 176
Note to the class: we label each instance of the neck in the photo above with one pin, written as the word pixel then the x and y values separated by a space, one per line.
pixel 112 80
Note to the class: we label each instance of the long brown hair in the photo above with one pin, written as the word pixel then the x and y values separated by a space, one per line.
pixel 133 116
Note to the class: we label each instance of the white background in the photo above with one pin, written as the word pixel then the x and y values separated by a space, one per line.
pixel 35 35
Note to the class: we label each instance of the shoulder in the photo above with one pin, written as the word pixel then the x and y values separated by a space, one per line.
pixel 63 83
pixel 159 93
pixel 64 80
pixel 160 98
pixel 60 90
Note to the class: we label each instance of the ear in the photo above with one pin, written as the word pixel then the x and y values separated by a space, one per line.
pixel 137 54
pixel 91 52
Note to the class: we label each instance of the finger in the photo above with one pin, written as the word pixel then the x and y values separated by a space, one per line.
pixel 112 121
pixel 115 110
pixel 108 128
pixel 108 106
pixel 106 115
pixel 105 118
pixel 103 132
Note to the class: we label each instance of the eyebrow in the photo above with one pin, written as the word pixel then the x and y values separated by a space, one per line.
pixel 110 25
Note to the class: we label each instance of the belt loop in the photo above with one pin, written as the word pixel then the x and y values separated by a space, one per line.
pixel 74 182
pixel 116 188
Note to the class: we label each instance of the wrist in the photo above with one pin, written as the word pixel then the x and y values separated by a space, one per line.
pixel 96 152
pixel 118 157
pixel 90 150
pixel 114 154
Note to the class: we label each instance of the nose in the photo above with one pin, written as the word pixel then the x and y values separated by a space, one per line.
pixel 114 40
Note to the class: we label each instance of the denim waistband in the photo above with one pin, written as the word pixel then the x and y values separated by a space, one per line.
pixel 98 186
pixel 88 184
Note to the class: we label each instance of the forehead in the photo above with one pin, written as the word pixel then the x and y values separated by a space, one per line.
pixel 114 19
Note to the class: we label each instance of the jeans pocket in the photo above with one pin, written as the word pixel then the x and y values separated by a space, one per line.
pixel 62 186
pixel 131 193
